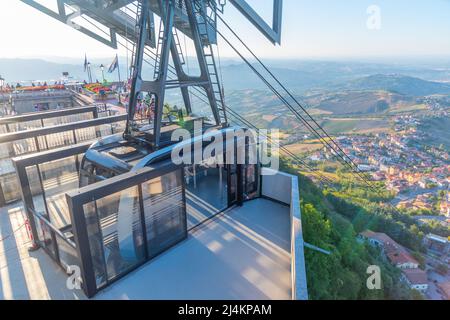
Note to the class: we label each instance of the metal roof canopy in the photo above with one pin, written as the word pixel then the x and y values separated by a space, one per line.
pixel 197 19
pixel 110 14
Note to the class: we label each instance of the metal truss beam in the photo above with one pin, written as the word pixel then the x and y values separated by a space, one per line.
pixel 67 19
pixel 108 14
pixel 272 33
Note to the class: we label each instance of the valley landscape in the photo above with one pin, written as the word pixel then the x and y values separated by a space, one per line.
pixel 391 119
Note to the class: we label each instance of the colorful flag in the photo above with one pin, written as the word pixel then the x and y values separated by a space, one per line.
pixel 114 64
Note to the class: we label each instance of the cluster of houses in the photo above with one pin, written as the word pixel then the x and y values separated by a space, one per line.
pixel 412 275
pixel 399 161
pixel 427 201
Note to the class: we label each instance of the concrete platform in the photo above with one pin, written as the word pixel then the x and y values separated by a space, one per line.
pixel 24 275
pixel 242 255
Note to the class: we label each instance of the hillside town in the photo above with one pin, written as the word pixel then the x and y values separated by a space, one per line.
pixel 417 173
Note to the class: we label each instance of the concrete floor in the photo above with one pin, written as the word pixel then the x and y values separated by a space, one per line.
pixel 242 255
pixel 24 275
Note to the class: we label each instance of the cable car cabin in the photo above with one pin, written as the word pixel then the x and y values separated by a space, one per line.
pixel 211 185
pixel 175 203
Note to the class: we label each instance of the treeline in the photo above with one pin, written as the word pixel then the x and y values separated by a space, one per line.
pixel 399 227
pixel 333 224
pixel 356 200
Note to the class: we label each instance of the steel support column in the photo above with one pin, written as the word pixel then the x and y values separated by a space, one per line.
pixel 160 82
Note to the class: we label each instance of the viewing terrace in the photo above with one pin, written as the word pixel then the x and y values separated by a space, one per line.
pixel 245 253
pixel 185 245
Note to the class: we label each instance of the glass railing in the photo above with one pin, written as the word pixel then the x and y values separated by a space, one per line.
pixel 106 229
pixel 124 222
pixel 24 143
pixel 44 119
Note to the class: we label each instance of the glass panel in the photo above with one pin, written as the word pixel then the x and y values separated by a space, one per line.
pixel 39 230
pixel 233 194
pixel 21 147
pixel 47 239
pixel 28 125
pixel 202 109
pixel 206 191
pixel 43 143
pixel 165 213
pixel 3 129
pixel 36 190
pixel 57 140
pixel 250 181
pixel 251 174
pixel 85 134
pixel 105 129
pixel 67 254
pixel 6 152
pixel 121 229
pixel 59 177
pixel 95 243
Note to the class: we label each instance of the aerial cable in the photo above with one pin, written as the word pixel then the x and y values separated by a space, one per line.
pixel 287 91
pixel 284 149
pixel 290 107
pixel 324 180
pixel 148 54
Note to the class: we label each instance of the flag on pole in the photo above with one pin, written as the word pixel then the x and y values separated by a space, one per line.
pixel 85 63
pixel 114 65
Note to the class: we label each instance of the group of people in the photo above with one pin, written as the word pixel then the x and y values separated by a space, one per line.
pixel 10 87
pixel 145 107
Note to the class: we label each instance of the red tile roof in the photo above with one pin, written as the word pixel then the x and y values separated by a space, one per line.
pixel 381 237
pixel 401 257
pixel 416 276
pixel 396 253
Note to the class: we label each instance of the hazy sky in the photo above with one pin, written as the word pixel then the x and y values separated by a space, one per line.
pixel 311 28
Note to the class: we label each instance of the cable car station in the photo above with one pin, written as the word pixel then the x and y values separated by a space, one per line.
pixel 138 224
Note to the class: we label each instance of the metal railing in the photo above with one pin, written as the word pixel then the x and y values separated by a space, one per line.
pixel 57 241
pixel 41 119
pixel 23 143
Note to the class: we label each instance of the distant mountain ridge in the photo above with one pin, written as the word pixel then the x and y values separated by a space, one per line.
pixel 14 70
pixel 301 77
pixel 400 84
pixel 358 102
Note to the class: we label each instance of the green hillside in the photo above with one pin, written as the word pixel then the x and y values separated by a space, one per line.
pixel 332 219
pixel 358 102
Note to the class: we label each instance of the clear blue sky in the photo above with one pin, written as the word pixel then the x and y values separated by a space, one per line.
pixel 311 28
pixel 338 28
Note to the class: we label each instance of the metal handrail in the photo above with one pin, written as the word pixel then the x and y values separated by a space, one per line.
pixel 48 115
pixel 22 135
